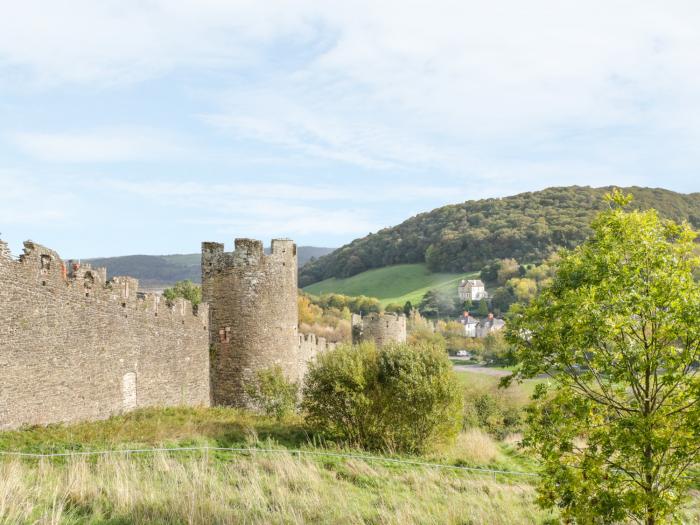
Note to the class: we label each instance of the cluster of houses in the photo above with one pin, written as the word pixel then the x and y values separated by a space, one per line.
pixel 474 327
pixel 475 290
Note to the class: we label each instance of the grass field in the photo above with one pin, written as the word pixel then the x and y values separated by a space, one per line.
pixel 202 487
pixel 219 487
pixel 392 284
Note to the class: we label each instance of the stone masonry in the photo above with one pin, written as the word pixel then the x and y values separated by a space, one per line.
pixel 254 316
pixel 74 346
pixel 380 328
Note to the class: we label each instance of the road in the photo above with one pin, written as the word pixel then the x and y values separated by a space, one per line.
pixel 496 372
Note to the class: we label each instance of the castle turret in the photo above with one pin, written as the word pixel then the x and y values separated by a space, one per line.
pixel 253 314
pixel 380 328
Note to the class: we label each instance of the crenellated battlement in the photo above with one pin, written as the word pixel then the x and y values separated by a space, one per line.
pixel 247 253
pixel 75 345
pixel 382 328
pixel 48 270
pixel 309 347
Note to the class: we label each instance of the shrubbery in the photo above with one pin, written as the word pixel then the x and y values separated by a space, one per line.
pixel 496 414
pixel 272 393
pixel 400 398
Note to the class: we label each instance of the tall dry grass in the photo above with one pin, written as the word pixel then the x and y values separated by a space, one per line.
pixel 164 489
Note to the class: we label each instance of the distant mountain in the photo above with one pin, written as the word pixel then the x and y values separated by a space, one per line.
pixel 161 271
pixel 463 237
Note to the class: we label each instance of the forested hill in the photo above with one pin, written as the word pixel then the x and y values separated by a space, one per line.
pixel 463 237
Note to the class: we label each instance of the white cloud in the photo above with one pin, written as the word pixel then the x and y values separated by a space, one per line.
pixel 101 145
pixel 121 41
pixel 461 87
pixel 27 200
pixel 265 209
pixel 237 195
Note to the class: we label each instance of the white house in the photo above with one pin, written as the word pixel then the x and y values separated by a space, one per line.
pixel 489 325
pixel 470 324
pixel 472 290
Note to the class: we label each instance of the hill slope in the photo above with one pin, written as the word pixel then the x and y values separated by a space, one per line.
pixel 463 237
pixel 160 271
pixel 393 284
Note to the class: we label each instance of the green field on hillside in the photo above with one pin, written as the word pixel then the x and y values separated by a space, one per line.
pixel 392 284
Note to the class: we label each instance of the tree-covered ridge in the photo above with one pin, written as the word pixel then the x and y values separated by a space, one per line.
pixel 462 237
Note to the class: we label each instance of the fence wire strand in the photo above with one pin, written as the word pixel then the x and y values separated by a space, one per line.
pixel 292 452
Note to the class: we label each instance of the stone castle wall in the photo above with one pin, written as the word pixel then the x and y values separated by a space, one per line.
pixel 253 314
pixel 309 347
pixel 380 328
pixel 74 346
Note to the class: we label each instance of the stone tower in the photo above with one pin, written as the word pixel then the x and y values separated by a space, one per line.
pixel 381 328
pixel 253 314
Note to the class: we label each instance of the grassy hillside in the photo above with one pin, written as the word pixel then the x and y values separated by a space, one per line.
pixel 464 237
pixel 393 284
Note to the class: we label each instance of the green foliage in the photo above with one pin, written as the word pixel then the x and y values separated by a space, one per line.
pixel 424 336
pixel 359 304
pixel 618 330
pixel 185 289
pixel 522 287
pixel 493 413
pixel 497 350
pixel 394 308
pixel 498 411
pixel 273 394
pixel 401 398
pixel 483 309
pixel 527 227
pixel 440 303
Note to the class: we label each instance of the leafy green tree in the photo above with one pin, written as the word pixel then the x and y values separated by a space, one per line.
pixel 407 307
pixel 618 332
pixel 483 309
pixel 401 397
pixel 185 289
pixel 503 298
pixel 466 306
pixel 437 303
pixel 273 393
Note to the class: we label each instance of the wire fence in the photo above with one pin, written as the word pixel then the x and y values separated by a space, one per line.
pixel 296 453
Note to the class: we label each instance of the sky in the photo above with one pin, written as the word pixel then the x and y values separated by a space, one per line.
pixel 150 126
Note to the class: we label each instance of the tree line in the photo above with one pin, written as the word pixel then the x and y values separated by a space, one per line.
pixel 528 227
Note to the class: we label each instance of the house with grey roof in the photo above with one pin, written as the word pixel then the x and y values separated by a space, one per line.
pixel 472 290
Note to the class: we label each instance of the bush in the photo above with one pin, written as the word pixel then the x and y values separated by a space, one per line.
pixel 424 336
pixel 272 393
pixel 400 398
pixel 497 412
